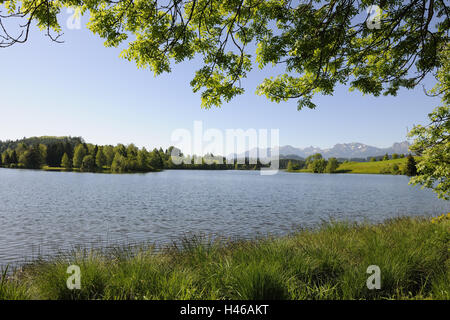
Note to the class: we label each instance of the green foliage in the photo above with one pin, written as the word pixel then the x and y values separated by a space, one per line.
pixel 297 163
pixel 332 165
pixel 386 157
pixel 311 158
pixel 65 161
pixel 6 160
pixel 373 167
pixel 432 142
pixel 290 167
pixel 143 161
pixel 78 156
pixel 155 159
pixel 55 152
pixel 395 169
pixel 91 149
pixel 121 150
pixel 13 158
pixel 119 163
pixel 49 141
pixel 43 152
pixel 11 289
pixel 58 153
pixel 108 151
pixel 32 158
pixel 410 169
pixel 328 262
pixel 88 163
pixel 433 145
pixel 318 165
pixel 100 158
pixel 318 44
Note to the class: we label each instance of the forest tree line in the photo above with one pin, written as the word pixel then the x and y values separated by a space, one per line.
pixel 73 153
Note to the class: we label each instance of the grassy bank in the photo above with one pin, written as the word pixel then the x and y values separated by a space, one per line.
pixel 60 169
pixel 329 262
pixel 106 170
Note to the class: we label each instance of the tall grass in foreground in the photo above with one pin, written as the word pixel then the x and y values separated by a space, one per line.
pixel 329 262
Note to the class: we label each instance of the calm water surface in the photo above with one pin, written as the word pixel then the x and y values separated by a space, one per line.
pixel 46 212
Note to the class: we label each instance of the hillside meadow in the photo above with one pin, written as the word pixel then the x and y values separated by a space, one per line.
pixel 375 167
pixel 371 167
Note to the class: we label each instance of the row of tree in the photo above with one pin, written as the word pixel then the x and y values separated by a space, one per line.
pixel 387 157
pixel 24 156
pixel 75 154
pixel 316 163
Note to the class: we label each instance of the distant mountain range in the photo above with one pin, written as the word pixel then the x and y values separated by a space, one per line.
pixel 340 150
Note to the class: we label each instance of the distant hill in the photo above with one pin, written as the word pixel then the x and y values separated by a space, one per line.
pixel 46 140
pixel 291 156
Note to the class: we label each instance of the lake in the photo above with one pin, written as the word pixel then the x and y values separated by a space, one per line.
pixel 46 212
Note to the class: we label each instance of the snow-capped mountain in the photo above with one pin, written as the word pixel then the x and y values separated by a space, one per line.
pixel 341 150
pixel 348 150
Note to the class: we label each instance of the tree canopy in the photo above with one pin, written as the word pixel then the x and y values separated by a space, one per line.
pixel 432 142
pixel 319 44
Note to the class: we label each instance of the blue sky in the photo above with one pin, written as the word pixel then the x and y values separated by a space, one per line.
pixel 81 88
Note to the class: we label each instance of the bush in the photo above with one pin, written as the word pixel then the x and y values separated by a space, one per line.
pixel 318 166
pixel 395 169
pixel 332 165
pixel 411 168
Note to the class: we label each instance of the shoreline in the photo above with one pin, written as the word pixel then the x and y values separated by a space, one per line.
pixel 327 262
pixel 57 169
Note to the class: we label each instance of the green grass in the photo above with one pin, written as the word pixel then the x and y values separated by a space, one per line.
pixel 328 262
pixel 375 167
pixel 105 169
pixel 60 169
